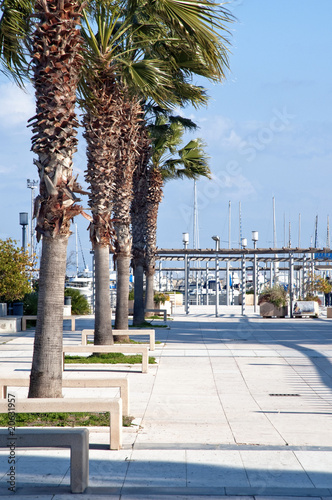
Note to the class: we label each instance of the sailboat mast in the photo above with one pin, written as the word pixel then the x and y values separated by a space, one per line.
pixel 328 243
pixel 76 249
pixel 274 223
pixel 195 221
pixel 299 230
pixel 240 226
pixel 229 224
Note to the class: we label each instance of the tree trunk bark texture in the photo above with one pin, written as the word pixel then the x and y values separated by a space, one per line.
pixel 138 218
pixel 128 153
pixel 46 372
pixel 139 315
pixel 103 314
pixel 155 182
pixel 149 293
pixel 122 293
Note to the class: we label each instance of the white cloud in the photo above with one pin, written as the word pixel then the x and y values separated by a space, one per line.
pixel 16 105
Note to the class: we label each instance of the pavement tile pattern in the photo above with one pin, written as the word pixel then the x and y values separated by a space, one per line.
pixel 236 407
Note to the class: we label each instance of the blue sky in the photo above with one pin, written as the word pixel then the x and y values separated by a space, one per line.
pixel 268 131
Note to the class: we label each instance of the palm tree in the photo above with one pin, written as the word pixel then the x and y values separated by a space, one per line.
pixel 54 45
pixel 191 163
pixel 57 61
pixel 112 121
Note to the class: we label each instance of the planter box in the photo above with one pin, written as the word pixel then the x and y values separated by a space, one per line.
pixel 10 324
pixel 306 308
pixel 249 299
pixel 268 310
pixel 176 299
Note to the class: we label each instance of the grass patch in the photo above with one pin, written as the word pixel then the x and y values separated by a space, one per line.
pixel 109 357
pixel 63 420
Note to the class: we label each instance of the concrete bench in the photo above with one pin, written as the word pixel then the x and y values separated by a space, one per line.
pixel 13 380
pixel 25 318
pixel 158 312
pixel 123 348
pixel 75 439
pixel 130 332
pixel 64 405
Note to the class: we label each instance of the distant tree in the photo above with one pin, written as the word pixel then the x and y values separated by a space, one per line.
pixel 15 271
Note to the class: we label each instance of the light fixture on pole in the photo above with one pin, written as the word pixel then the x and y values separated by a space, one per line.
pixel 217 240
pixel 185 240
pixel 24 221
pixel 244 243
pixel 254 237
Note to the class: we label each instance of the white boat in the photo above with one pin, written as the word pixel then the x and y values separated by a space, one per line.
pixel 83 282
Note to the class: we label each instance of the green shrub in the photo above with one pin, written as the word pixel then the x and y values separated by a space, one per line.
pixel 160 298
pixel 131 295
pixel 276 294
pixel 79 304
pixel 30 303
pixel 15 271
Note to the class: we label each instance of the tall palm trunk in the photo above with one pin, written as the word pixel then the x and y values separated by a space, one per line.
pixel 103 318
pixel 57 62
pixel 123 247
pixel 138 218
pixel 127 155
pixel 46 373
pixel 154 198
pixel 102 135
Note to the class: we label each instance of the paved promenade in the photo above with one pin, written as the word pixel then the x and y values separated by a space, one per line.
pixel 235 407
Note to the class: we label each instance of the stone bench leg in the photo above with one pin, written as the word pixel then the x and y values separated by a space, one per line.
pixel 116 425
pixel 152 341
pixel 145 361
pixel 79 466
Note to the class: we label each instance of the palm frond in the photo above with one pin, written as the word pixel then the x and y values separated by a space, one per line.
pixel 191 164
pixel 15 28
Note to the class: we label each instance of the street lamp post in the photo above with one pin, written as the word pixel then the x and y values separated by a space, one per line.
pixel 254 237
pixel 217 240
pixel 185 240
pixel 160 264
pixel 243 307
pixel 24 221
pixel 31 184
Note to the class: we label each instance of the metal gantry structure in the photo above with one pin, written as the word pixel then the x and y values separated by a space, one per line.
pixel 303 261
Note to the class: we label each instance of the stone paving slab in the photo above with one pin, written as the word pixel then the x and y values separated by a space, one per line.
pixel 207 425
